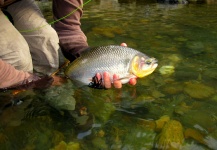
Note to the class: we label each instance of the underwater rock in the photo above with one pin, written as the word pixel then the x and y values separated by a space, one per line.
pixel 159 80
pixel 99 143
pixel 105 111
pixel 172 48
pixel 138 138
pixel 214 98
pixel 3 138
pixel 101 133
pixel 161 122
pixel 182 74
pixel 73 146
pixel 212 73
pixel 167 70
pixel 61 97
pixel 192 146
pixel 198 90
pixel 148 124
pixel 195 135
pixel 211 142
pixel 180 39
pixel 143 99
pixel 171 136
pixel 200 119
pixel 157 94
pixel 173 88
pixel 12 116
pixel 195 47
pixel 57 137
pixel 182 108
pixel 174 58
pixel 64 146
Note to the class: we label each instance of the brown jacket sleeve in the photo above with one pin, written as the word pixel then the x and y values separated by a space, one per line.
pixel 5 3
pixel 10 76
pixel 1 3
pixel 72 39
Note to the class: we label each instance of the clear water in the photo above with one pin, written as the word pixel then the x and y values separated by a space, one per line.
pixel 183 87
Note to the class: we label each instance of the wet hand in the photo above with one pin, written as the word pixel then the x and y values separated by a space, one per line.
pixel 116 82
pixel 107 80
pixel 58 80
pixel 33 82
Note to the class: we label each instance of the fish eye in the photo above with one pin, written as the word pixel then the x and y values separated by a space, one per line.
pixel 148 62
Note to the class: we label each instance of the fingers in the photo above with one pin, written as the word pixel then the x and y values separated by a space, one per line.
pixel 117 83
pixel 107 80
pixel 132 81
pixel 98 76
pixel 123 44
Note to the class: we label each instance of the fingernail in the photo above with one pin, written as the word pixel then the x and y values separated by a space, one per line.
pixel 105 74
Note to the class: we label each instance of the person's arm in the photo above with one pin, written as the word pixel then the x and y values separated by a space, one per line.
pixel 72 40
pixel 1 2
pixel 10 78
pixel 4 3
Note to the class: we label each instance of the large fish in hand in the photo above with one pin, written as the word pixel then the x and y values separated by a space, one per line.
pixel 123 61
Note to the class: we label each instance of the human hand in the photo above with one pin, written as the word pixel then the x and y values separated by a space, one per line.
pixel 116 82
pixel 107 81
pixel 58 80
pixel 33 82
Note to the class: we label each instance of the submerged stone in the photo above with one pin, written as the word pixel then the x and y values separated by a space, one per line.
pixel 198 90
pixel 173 88
pixel 161 122
pixel 167 70
pixel 195 47
pixel 171 136
pixel 64 146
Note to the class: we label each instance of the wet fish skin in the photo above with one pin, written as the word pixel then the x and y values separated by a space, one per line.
pixel 112 59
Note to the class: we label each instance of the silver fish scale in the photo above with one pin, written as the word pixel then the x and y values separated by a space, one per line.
pixel 113 59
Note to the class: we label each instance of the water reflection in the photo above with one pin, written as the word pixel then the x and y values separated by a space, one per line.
pixel 179 97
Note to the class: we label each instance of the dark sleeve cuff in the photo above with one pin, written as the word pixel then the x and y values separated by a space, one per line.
pixel 74 53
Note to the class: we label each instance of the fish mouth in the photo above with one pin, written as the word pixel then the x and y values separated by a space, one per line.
pixel 154 63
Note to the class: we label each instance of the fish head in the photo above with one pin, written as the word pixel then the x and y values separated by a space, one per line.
pixel 143 65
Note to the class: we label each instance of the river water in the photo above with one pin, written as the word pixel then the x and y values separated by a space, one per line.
pixel 174 107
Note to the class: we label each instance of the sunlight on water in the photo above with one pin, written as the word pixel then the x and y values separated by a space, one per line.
pixel 174 107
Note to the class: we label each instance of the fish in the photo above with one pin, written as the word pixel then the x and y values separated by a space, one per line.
pixel 124 61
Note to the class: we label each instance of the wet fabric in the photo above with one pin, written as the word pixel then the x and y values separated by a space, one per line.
pixel 72 39
pixel 10 75
pixel 31 42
